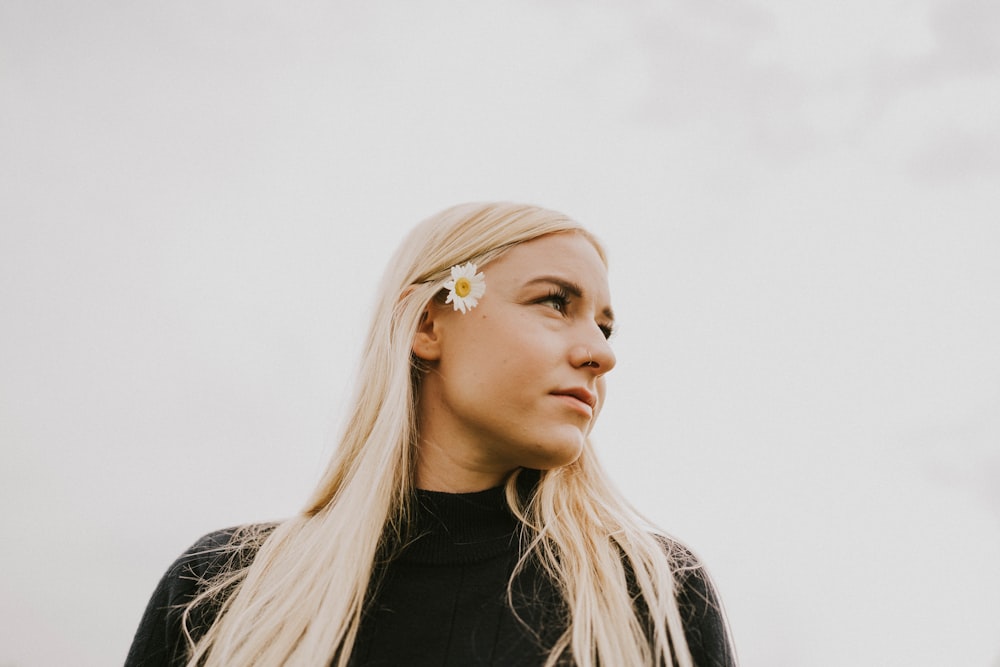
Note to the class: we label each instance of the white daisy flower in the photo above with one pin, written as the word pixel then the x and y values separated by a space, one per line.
pixel 465 287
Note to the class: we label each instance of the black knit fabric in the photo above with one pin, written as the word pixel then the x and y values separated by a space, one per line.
pixel 441 600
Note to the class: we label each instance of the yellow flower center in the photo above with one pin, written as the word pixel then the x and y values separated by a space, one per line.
pixel 463 287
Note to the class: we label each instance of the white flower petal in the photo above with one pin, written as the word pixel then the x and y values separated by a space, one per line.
pixel 477 287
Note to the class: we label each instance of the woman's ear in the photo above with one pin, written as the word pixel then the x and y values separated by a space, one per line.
pixel 427 340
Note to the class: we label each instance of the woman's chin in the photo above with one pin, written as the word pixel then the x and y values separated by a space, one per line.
pixel 556 455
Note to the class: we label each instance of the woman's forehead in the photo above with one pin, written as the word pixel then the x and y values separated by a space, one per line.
pixel 568 256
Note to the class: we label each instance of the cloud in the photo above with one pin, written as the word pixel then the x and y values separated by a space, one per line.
pixel 956 156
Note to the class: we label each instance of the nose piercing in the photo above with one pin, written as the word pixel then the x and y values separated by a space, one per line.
pixel 590 362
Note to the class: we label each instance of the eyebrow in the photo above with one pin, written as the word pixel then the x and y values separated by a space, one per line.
pixel 572 288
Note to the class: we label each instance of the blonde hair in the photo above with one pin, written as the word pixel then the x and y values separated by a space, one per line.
pixel 301 599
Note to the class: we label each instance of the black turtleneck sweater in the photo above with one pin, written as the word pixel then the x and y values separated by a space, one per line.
pixel 442 600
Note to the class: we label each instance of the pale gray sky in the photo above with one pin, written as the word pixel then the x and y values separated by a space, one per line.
pixel 800 201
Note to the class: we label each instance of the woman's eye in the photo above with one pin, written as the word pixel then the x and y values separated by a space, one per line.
pixel 607 330
pixel 556 301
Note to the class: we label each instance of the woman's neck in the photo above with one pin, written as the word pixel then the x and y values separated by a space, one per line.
pixel 439 469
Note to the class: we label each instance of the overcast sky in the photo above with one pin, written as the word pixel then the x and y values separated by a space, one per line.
pixel 800 201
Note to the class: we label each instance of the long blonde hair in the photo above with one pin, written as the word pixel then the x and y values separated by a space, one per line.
pixel 301 599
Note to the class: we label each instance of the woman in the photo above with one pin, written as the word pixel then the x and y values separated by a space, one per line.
pixel 463 519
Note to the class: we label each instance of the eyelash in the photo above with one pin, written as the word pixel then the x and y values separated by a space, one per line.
pixel 557 295
pixel 561 296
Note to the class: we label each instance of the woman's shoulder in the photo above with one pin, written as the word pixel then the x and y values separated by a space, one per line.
pixel 221 550
pixel 705 624
pixel 159 639
pixel 683 560
pixel 212 555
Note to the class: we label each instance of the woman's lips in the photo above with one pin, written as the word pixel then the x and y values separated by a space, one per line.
pixel 580 399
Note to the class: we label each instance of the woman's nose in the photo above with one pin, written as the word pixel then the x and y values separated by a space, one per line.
pixel 595 353
pixel 604 356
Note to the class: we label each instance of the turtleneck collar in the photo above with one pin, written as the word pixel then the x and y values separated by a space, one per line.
pixel 453 528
